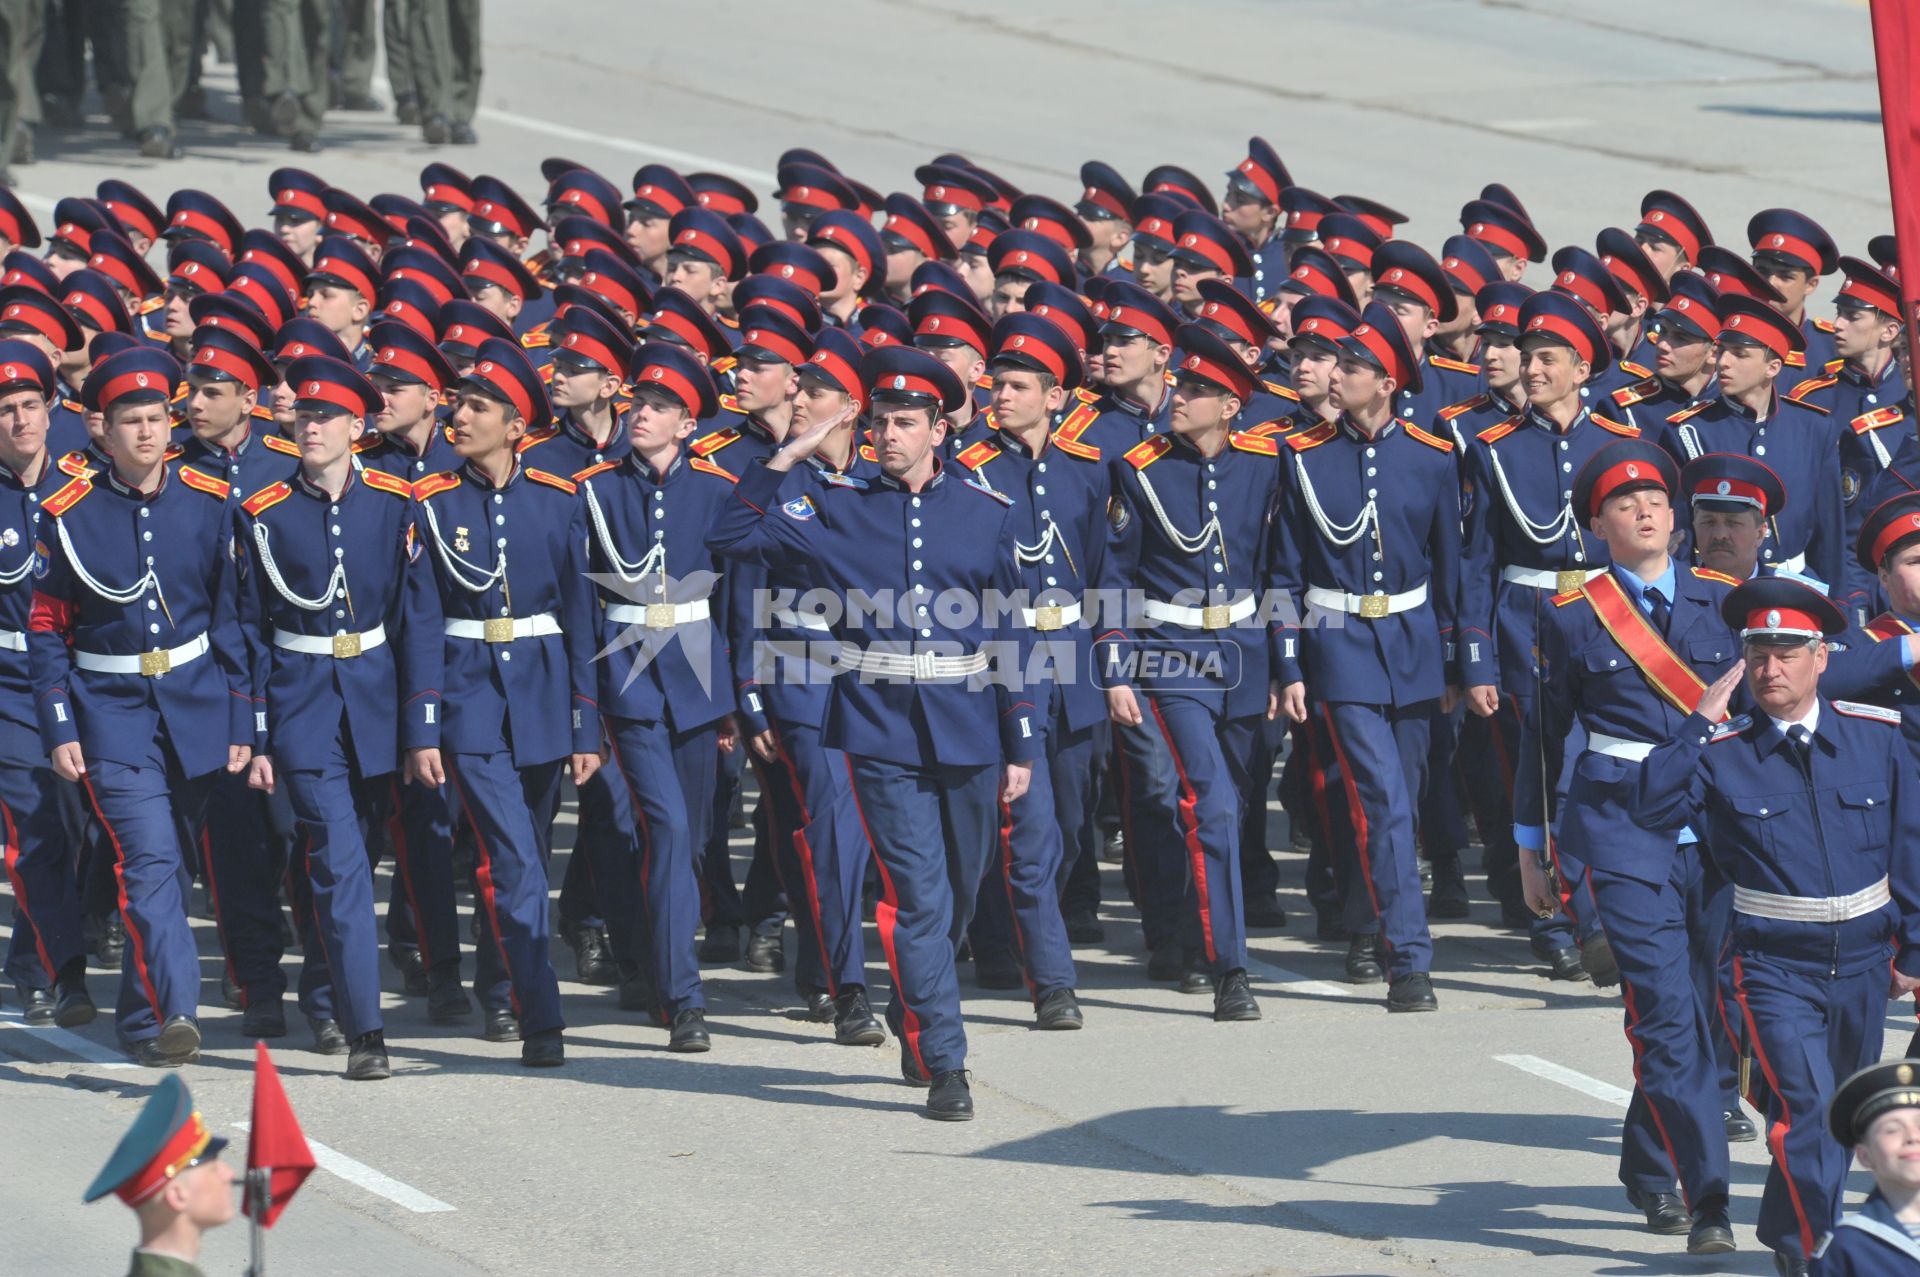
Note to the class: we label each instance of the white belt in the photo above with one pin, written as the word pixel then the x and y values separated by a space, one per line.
pixel 335 645
pixel 12 641
pixel 1216 616
pixel 1056 617
pixel 504 629
pixel 659 616
pixel 919 666
pixel 1619 747
pixel 1560 582
pixel 146 664
pixel 1829 909
pixel 1369 607
pixel 1798 563
pixel 801 620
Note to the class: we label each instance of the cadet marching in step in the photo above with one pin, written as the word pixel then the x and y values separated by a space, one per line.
pixel 365 534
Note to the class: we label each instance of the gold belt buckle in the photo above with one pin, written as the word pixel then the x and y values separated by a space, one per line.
pixel 1049 617
pixel 155 663
pixel 1216 616
pixel 1373 606
pixel 659 616
pixel 498 629
pixel 345 645
pixel 1568 582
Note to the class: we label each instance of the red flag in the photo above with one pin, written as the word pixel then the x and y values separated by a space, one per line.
pixel 275 1143
pixel 1896 53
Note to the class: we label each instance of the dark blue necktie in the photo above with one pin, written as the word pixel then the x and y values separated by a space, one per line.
pixel 1658 607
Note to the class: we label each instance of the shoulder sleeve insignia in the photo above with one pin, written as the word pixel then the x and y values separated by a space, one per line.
pixel 976 455
pixel 1687 413
pixel 601 468
pixel 1301 440
pixel 434 484
pixel 280 443
pixel 271 495
pixel 1495 433
pixel 205 483
pixel 1879 417
pixel 381 481
pixel 1708 574
pixel 707 445
pixel 1616 427
pixel 552 480
pixel 1453 365
pixel 1431 440
pixel 1451 411
pixel 1854 709
pixel 1264 445
pixel 1142 455
pixel 982 488
pixel 1627 396
pixel 69 495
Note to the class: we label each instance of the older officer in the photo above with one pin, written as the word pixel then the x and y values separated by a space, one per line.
pixel 140 676
pixel 933 733
pixel 325 633
pixel 1369 527
pixel 1624 657
pixel 1804 801
pixel 502 576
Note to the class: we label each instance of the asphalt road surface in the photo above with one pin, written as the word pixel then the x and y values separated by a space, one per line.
pixel 1329 1138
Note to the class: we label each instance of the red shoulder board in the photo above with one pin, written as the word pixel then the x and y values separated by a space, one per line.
pixel 1607 423
pixel 728 403
pixel 1824 325
pixel 434 484
pixel 1877 418
pixel 536 336
pixel 1835 365
pixel 175 452
pixel 280 443
pixel 1708 574
pixel 1077 422
pixel 976 455
pixel 381 481
pixel 1431 440
pixel 1268 306
pixel 1685 413
pixel 1272 429
pixel 552 480
pixel 68 496
pixel 205 483
pixel 868 453
pixel 1142 455
pixel 1495 433
pixel 272 494
pixel 1085 396
pixel 1627 365
pixel 983 382
pixel 723 364
pixel 707 445
pixel 533 437
pixel 1627 396
pixel 1453 365
pixel 368 441
pixel 1810 385
pixel 1265 445
pixel 1301 440
pixel 705 466
pixel 262 412
pixel 1284 392
pixel 592 470
pixel 1465 405
pixel 1796 359
pixel 74 463
pixel 152 304
pixel 1075 448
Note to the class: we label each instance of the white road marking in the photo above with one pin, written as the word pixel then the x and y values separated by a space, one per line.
pixel 361 1175
pixel 68 1041
pixel 1593 1086
pixel 1297 983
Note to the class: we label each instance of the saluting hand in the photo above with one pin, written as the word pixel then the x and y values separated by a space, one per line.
pixel 1713 706
pixel 799 447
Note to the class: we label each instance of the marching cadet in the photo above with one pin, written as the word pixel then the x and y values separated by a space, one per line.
pixel 1876 1114
pixel 497 279
pixel 1203 248
pixel 1337 520
pixel 46 958
pixel 928 752
pixel 1805 801
pixel 913 237
pixel 1153 241
pixel 167 1167
pixel 1103 208
pixel 299 210
pixel 704 257
pixel 1794 437
pixel 1792 252
pixel 1416 290
pixel 659 194
pixel 955 331
pixel 1504 227
pixel 858 262
pixel 1136 342
pixel 1252 209
pixel 1059 492
pixel 1684 334
pixel 1671 233
pixel 326 653
pixel 1876 669
pixel 447 195
pixel 341 290
pixel 499 728
pixel 1629 330
pixel 140 678
pixel 1626 657
pixel 1868 395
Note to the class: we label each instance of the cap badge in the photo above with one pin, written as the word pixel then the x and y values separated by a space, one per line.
pixel 1773 617
pixel 1210 308
pixel 1568 277
pixel 786 272
pixel 657 373
pixel 1193 361
pixel 313 388
pixel 1904 1074
pixel 140 379
pixel 486 367
pixel 1723 488
pixel 1189 240
pixel 1393 276
pixel 387 355
pixel 1363 330
pixel 899 382
pixel 1735 321
pixel 1476 228
pixel 1775 241
pixel 1020 342
pixel 573 339
pixel 800 192
pixel 1633 471
pixel 1032 223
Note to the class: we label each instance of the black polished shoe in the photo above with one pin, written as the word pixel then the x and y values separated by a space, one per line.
pixel 1083 927
pixel 1664 1211
pixel 157 144
pixel 500 1025
pixel 1565 964
pixel 264 1019
pixel 1740 1127
pixel 36 1006
pixel 636 988
pixel 997 969
pixel 1059 1010
pixel 909 1071
pixel 111 946
pixel 1412 992
pixel 75 1006
pixel 1363 960
pixel 367 1058
pixel 690 1034
pixel 179 1040
pixel 1196 978
pixel 1788 1266
pixel 1233 999
pixel 720 946
pixel 328 1037
pixel 766 950
pixel 463 135
pixel 413 972
pixel 854 1023
pixel 1328 924
pixel 1264 912
pixel 951 1099
pixel 820 1007
pixel 592 956
pixel 1167 961
pixel 1448 898
pixel 543 1050
pixel 436 130
pixel 447 1001
pixel 1597 956
pixel 1712 1232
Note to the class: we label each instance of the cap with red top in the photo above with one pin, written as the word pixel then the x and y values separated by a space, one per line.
pixel 498 209
pixel 1409 270
pixel 1153 217
pixel 1304 210
pixel 1664 215
pixel 674 371
pixel 1870 287
pixel 1693 307
pixel 1203 240
pixel 794 262
pixel 1632 269
pixel 853 234
pixel 1469 266
pixel 1378 339
pixel 1133 311
pixel 1777 609
pixel 131 208
pixel 1503 228
pixel 234 314
pixel 612 279
pixel 677 317
pixel 1172 178
pixel 1204 357
pixel 1892 525
pixel 405 355
pixel 1065 309
pixel 1379 217
pixel 74 222
pixel 21 267
pixel 1104 192
pixel 582 335
pixel 297 195
pixel 195 266
pixel 704 234
pixel 723 194
pixel 1350 240
pixel 349 215
pixel 410 302
pixel 941 318
pixel 464 325
pixel 133 376
pixel 947 189
pixel 904 375
pixel 91 300
pixel 1783 237
pixel 330 387
pixel 1564 321
pixel 484 263
pixel 23 364
pixel 264 249
pixel 221 354
pixel 1623 466
pixel 1733 276
pixel 836 361
pixel 1498 306
pixel 425 269
pixel 1031 342
pixel 119 261
pixel 882 325
pixel 1030 255
pixel 340 261
pixel 1261 174
pixel 785 296
pixel 1051 218
pixel 1730 481
pixel 445 189
pixel 582 192
pixel 808 186
pixel 501 372
pixel 768 336
pixel 1230 314
pixel 16 224
pixel 1322 323
pixel 1744 321
pixel 911 228
pixel 1584 277
pixel 305 336
pixel 191 212
pixel 1315 273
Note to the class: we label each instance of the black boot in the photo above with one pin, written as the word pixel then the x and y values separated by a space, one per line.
pixel 854 1023
pixel 367 1058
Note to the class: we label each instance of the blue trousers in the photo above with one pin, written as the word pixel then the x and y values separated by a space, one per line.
pixel 507 807
pixel 762 903
pixel 335 807
pixel 1381 752
pixel 422 912
pixel 932 831
pixel 1153 867
pixel 669 781
pixel 1082 829
pixel 1442 822
pixel 1809 1030
pixel 1674 1128
pixel 244 844
pixel 148 815
pixel 1575 920
pixel 1019 901
pixel 37 848
pixel 1259 871
pixel 1210 757
pixel 821 854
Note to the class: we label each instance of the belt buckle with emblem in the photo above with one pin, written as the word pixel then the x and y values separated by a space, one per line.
pixel 498 629
pixel 346 645
pixel 1373 606
pixel 1566 582
pixel 1216 616
pixel 659 616
pixel 155 663
pixel 1049 617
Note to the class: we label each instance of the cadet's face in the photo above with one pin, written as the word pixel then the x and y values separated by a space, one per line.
pixel 1663 253
pixel 577 387
pixel 1131 358
pixel 958 227
pixel 324 437
pixel 1861 330
pixel 1282 313
pixel 902 437
pixel 1500 356
pixel 137 434
pixel 216 408
pixel 1794 283
pixel 849 277
pixel 656 421
pixel 759 386
pixel 1744 368
pixel 1891 1150
pixel 697 278
pixel 1782 677
pixel 1250 216
pixel 61 264
pixel 1550 372
pixel 178 320
pixel 647 237
pixel 966 362
pixel 978 273
pixel 1313 368
pixel 1635 525
pixel 453 224
pixel 23 426
pixel 1356 384
pixel 1900 578
pixel 1153 269
pixel 816 403
pixel 1186 282
pixel 405 404
pixel 1008 296
pixel 282 405
pixel 1729 542
pixel 482 425
pixel 205 1194
pixel 1466 315
pixel 300 235
pixel 504 305
pixel 1415 319
pixel 1021 401
pixel 1680 355
pixel 1200 406
pixel 336 307
pixel 902 264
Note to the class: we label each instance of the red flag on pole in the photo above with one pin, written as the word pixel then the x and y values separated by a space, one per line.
pixel 1896 54
pixel 275 1144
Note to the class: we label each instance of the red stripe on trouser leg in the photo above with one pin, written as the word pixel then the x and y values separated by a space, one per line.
pixel 139 944
pixel 886 914
pixel 1633 1040
pixel 1190 822
pixel 1357 813
pixel 803 851
pixel 1006 879
pixel 12 834
pixel 1776 1131
pixel 1317 783
pixel 483 878
pixel 403 861
pixel 1501 758
pixel 644 832
pixel 219 918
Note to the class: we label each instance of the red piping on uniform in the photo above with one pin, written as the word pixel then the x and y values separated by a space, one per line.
pixel 403 859
pixel 804 851
pixel 1776 1131
pixel 126 909
pixel 1196 852
pixel 20 888
pixel 483 878
pixel 219 918
pixel 1357 813
pixel 1006 876
pixel 885 916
